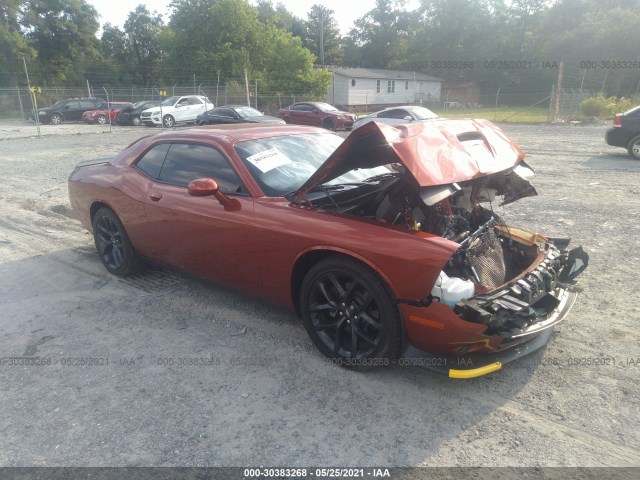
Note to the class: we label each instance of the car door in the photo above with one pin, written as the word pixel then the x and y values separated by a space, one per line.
pixel 224 116
pixel 198 234
pixel 71 110
pixel 181 110
pixel 196 107
pixel 297 114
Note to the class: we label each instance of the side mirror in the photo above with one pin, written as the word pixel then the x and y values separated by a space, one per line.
pixel 408 117
pixel 178 105
pixel 204 187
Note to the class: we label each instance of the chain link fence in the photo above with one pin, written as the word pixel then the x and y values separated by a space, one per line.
pixel 16 102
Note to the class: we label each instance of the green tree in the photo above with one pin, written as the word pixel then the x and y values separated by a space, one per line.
pixel 379 38
pixel 323 37
pixel 13 44
pixel 63 32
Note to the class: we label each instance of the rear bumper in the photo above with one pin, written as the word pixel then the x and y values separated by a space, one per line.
pixel 618 137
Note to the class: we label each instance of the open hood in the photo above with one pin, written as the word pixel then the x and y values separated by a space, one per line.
pixel 438 153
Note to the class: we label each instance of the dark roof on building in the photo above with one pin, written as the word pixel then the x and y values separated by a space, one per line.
pixel 381 73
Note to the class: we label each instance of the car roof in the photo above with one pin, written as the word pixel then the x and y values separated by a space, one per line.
pixel 236 133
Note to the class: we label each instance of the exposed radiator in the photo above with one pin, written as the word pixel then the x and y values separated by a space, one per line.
pixel 486 256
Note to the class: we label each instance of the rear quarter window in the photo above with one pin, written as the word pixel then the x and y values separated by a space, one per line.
pixel 151 162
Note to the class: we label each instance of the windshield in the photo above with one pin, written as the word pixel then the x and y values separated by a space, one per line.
pixel 248 112
pixel 281 165
pixel 422 113
pixel 170 102
pixel 325 107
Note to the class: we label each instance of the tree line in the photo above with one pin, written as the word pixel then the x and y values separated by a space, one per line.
pixel 514 45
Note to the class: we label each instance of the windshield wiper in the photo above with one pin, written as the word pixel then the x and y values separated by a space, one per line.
pixel 382 176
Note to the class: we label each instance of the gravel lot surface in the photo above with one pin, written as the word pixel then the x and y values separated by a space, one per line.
pixel 270 398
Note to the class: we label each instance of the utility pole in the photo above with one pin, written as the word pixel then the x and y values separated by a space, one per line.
pixel 246 86
pixel 34 102
pixel 321 38
pixel 556 110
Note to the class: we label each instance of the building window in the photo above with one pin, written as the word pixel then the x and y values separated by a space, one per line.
pixel 353 82
pixel 391 86
pixel 406 85
pixel 377 86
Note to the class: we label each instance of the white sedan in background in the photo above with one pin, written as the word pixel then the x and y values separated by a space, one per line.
pixel 397 115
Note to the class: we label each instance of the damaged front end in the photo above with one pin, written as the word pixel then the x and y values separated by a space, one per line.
pixel 504 288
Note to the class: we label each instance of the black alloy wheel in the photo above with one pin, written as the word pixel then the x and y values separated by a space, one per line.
pixel 330 124
pixel 349 313
pixel 634 147
pixel 113 244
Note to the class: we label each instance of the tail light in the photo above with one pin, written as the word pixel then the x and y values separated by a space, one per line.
pixel 616 121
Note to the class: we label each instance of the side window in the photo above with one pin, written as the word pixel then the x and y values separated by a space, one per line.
pixel 195 101
pixel 186 162
pixel 389 114
pixel 296 107
pixel 88 104
pixel 225 112
pixel 183 102
pixel 151 162
pixel 72 105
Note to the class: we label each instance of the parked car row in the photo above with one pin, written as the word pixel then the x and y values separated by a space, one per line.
pixel 200 110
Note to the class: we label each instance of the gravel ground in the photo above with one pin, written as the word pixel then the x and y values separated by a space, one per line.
pixel 268 398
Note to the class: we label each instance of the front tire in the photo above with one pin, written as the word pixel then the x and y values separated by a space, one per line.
pixel 135 121
pixel 168 121
pixel 330 124
pixel 113 244
pixel 634 147
pixel 56 119
pixel 349 314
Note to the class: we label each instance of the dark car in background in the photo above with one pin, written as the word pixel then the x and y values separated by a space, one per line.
pixel 106 113
pixel 626 132
pixel 317 114
pixel 131 115
pixel 232 114
pixel 68 110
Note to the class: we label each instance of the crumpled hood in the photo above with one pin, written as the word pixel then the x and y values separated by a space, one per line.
pixel 440 152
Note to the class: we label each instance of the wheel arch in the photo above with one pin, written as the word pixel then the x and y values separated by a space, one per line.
pixel 307 259
pixel 97 205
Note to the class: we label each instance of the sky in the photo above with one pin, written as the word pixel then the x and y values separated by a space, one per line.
pixel 116 11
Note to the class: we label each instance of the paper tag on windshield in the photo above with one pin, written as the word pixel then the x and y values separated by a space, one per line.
pixel 268 160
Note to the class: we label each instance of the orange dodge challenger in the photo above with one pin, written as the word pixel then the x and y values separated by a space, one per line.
pixel 380 242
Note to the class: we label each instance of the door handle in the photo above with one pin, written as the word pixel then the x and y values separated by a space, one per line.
pixel 155 196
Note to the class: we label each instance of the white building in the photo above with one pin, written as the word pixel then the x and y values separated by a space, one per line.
pixel 374 88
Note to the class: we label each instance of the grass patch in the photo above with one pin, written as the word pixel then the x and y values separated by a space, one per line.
pixel 506 114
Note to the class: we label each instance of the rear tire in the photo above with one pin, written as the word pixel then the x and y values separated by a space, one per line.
pixel 101 119
pixel 135 121
pixel 287 120
pixel 56 119
pixel 114 247
pixel 350 314
pixel 634 147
